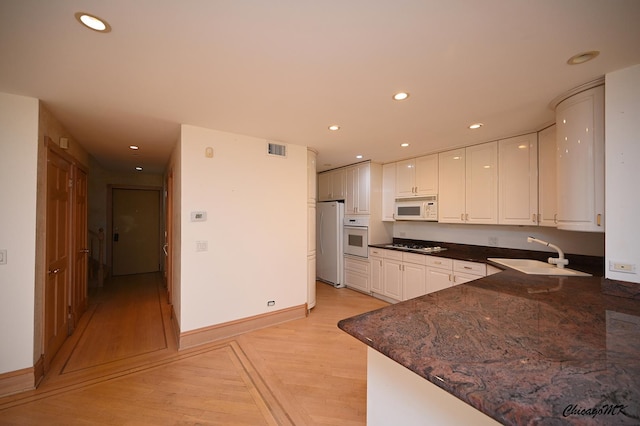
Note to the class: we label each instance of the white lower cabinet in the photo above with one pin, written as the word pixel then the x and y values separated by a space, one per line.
pixel 443 273
pixel 356 273
pixel 397 275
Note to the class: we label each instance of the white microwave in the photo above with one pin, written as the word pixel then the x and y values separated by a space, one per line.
pixel 423 208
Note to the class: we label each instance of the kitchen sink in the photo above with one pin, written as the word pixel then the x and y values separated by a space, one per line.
pixel 536 267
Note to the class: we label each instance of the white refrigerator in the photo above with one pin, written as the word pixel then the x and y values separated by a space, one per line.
pixel 329 221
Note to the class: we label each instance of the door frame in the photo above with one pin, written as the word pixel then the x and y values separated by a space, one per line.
pixel 109 234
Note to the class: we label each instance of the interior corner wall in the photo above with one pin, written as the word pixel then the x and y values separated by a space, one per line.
pixel 18 172
pixel 255 230
pixel 622 153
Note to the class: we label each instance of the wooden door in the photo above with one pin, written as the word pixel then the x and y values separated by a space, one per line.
pixel 80 248
pixel 135 237
pixel 56 297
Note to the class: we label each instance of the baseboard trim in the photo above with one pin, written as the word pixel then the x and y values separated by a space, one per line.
pixel 16 381
pixel 205 335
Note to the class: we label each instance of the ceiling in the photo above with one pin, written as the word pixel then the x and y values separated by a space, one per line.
pixel 284 70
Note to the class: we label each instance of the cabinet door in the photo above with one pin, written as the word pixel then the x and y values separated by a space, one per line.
pixel 414 281
pixel 324 186
pixel 461 278
pixel 518 180
pixel 388 191
pixel 375 264
pixel 547 203
pixel 405 178
pixel 482 183
pixel 451 186
pixel 438 279
pixel 351 194
pixel 392 279
pixel 363 185
pixel 338 184
pixel 580 161
pixel 426 175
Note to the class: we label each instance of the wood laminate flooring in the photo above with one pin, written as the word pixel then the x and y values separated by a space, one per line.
pixel 121 366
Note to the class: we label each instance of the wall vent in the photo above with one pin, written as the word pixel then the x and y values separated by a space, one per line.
pixel 277 150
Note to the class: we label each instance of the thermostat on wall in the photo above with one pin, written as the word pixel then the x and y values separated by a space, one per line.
pixel 198 216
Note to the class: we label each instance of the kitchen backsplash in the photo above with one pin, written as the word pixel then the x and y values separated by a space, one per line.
pixel 586 243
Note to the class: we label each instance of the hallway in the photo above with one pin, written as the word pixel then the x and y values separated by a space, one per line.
pixel 122 366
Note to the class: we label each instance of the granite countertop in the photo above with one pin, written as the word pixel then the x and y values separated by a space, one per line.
pixel 523 349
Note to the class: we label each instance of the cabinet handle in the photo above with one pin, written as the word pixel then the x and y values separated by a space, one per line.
pixel 599 219
pixel 555 218
pixel 450 277
pixel 539 218
pixel 533 217
pixel 466 217
pixel 462 217
pixel 438 263
pixel 467 267
pixel 53 271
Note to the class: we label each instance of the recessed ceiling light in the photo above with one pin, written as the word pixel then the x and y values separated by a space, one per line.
pixel 139 168
pixel 93 22
pixel 400 96
pixel 404 145
pixel 358 157
pixel 334 127
pixel 476 125
pixel 583 57
pixel 134 147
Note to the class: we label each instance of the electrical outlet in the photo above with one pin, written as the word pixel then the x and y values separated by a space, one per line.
pixel 403 234
pixel 271 303
pixel 202 246
pixel 629 268
pixel 3 257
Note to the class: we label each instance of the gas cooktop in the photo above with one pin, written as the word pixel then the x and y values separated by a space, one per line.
pixel 416 248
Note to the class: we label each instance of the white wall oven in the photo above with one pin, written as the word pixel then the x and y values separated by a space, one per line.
pixel 356 236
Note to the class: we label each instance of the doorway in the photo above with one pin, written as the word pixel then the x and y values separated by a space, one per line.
pixel 135 230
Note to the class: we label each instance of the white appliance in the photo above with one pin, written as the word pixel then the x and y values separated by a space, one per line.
pixel 356 236
pixel 423 208
pixel 329 263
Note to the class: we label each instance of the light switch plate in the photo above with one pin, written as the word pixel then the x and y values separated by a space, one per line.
pixel 3 257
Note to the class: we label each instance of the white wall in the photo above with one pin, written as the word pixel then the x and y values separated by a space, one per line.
pixel 18 174
pixel 622 153
pixel 515 237
pixel 256 228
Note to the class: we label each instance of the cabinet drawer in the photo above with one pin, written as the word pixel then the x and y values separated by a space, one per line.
pixel 356 265
pixel 439 262
pixel 392 254
pixel 470 267
pixel 376 252
pixel 419 259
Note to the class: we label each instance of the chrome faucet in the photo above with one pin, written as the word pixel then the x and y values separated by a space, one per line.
pixel 559 261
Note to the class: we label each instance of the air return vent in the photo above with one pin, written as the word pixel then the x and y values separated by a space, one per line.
pixel 276 149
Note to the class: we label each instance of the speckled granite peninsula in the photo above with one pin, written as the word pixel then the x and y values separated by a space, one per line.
pixel 523 349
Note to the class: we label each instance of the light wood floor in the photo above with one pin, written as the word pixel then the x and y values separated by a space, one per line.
pixel 121 366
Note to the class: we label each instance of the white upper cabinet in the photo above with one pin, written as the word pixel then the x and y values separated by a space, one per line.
pixel 468 185
pixel 482 183
pixel 518 180
pixel 580 161
pixel 547 203
pixel 388 191
pixel 332 185
pixel 451 186
pixel 417 177
pixel 358 180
